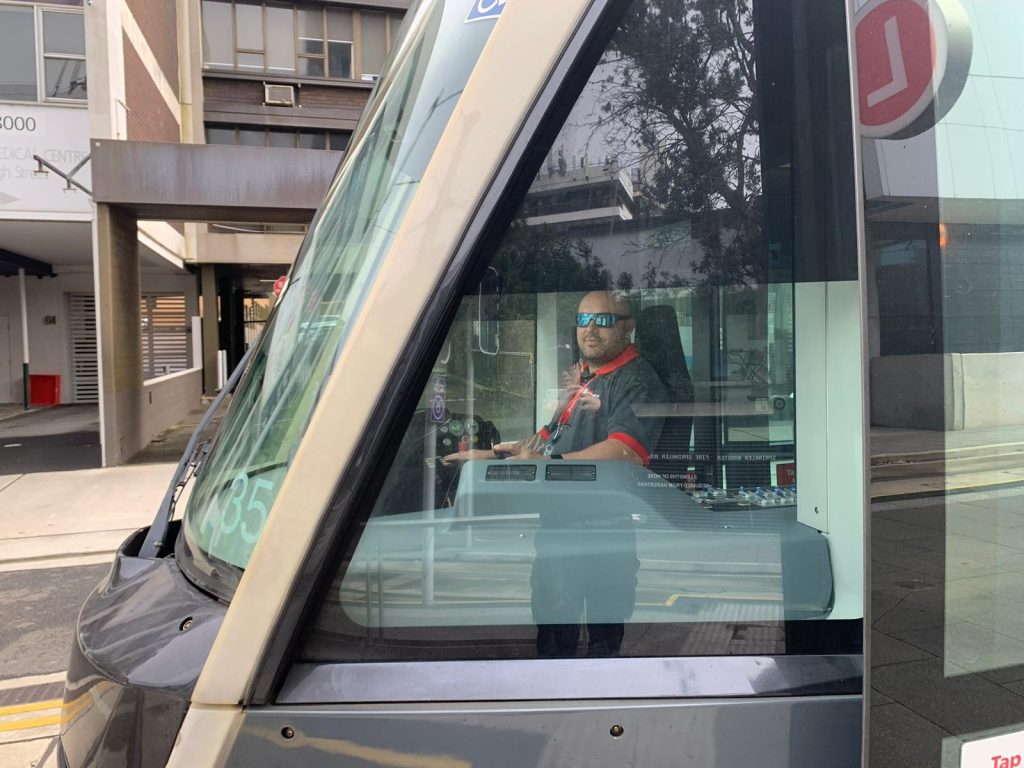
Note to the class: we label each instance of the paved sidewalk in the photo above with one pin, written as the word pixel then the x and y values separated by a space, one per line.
pixel 9 410
pixel 914 463
pixel 53 519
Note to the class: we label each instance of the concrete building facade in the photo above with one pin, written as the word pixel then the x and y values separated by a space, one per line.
pixel 113 291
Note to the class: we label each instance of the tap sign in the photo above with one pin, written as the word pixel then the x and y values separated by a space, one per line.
pixel 1003 751
pixel 913 58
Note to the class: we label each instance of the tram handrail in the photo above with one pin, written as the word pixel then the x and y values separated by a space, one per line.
pixel 447 521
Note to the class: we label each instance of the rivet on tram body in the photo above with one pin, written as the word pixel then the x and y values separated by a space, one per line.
pixel 288 732
pixel 616 731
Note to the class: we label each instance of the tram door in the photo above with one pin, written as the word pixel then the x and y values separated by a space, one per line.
pixel 620 521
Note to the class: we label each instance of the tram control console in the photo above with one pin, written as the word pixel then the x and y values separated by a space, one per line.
pixel 745 498
pixel 580 497
pixel 606 487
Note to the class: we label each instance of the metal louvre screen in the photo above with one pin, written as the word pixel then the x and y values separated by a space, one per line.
pixel 164 334
pixel 84 359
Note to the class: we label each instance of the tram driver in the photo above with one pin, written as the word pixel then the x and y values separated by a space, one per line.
pixel 586 564
pixel 595 420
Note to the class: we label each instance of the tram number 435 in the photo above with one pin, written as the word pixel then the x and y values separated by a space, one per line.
pixel 245 501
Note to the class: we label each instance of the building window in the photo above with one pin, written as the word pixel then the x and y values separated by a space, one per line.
pixel 64 55
pixel 260 136
pixel 54 73
pixel 340 43
pixel 375 45
pixel 285 40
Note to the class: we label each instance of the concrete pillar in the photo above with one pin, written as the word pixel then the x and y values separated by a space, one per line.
pixel 104 64
pixel 118 290
pixel 208 287
pixel 190 70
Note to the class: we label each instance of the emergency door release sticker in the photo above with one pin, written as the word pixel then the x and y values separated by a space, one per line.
pixel 1005 751
pixel 485 9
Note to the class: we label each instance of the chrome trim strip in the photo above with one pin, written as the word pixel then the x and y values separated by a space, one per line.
pixel 561 679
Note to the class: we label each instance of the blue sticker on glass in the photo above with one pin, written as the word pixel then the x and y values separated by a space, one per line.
pixel 485 9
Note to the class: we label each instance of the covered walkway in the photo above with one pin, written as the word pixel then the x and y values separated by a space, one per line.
pixel 135 181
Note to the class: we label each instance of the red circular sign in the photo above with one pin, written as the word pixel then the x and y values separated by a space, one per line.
pixel 900 55
pixel 279 285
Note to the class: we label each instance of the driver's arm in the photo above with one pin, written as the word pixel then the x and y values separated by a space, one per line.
pixel 607 450
pixel 520 449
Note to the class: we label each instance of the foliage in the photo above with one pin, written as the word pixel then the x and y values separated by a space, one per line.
pixel 679 100
pixel 536 259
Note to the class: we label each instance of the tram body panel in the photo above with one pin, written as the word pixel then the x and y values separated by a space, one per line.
pixel 143 637
pixel 768 732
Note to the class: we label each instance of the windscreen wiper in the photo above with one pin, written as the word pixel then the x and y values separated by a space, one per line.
pixel 195 452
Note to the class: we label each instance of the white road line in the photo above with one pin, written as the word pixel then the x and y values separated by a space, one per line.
pixel 93 558
pixel 27 682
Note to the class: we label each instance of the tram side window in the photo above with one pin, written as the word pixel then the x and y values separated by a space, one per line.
pixel 602 459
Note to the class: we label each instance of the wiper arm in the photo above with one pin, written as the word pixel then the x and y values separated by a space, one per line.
pixel 194 455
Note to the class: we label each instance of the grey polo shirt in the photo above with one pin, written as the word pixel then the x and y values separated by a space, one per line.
pixel 617 385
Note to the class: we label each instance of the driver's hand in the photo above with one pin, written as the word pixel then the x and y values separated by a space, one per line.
pixel 473 455
pixel 527 454
pixel 508 450
pixel 523 451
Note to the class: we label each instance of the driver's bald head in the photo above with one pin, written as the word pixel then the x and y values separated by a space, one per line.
pixel 605 301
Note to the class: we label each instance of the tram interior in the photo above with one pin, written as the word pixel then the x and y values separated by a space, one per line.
pixel 706 534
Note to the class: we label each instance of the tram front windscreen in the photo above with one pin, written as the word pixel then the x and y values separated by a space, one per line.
pixel 605 450
pixel 401 126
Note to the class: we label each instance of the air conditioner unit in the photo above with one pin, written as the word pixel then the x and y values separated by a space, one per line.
pixel 279 95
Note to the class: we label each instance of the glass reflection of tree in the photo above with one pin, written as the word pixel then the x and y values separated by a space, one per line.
pixel 681 106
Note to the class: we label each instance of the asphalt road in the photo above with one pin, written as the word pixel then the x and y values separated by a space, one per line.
pixel 50 440
pixel 40 609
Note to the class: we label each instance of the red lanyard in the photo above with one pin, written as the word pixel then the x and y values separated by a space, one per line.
pixel 628 355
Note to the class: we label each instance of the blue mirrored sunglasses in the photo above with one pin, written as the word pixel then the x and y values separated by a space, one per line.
pixel 601 319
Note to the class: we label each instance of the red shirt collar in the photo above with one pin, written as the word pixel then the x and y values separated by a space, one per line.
pixel 627 355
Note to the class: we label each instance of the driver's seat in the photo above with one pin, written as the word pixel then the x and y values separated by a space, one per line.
pixel 657 340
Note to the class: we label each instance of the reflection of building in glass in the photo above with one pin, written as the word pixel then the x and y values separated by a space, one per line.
pixel 583 198
pixel 943 214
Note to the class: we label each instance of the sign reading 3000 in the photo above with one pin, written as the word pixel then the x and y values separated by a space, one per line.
pixel 59 135
pixel 18 123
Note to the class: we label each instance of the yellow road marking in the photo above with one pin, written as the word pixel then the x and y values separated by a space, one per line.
pixel 33 706
pixel 34 722
pixel 75 707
